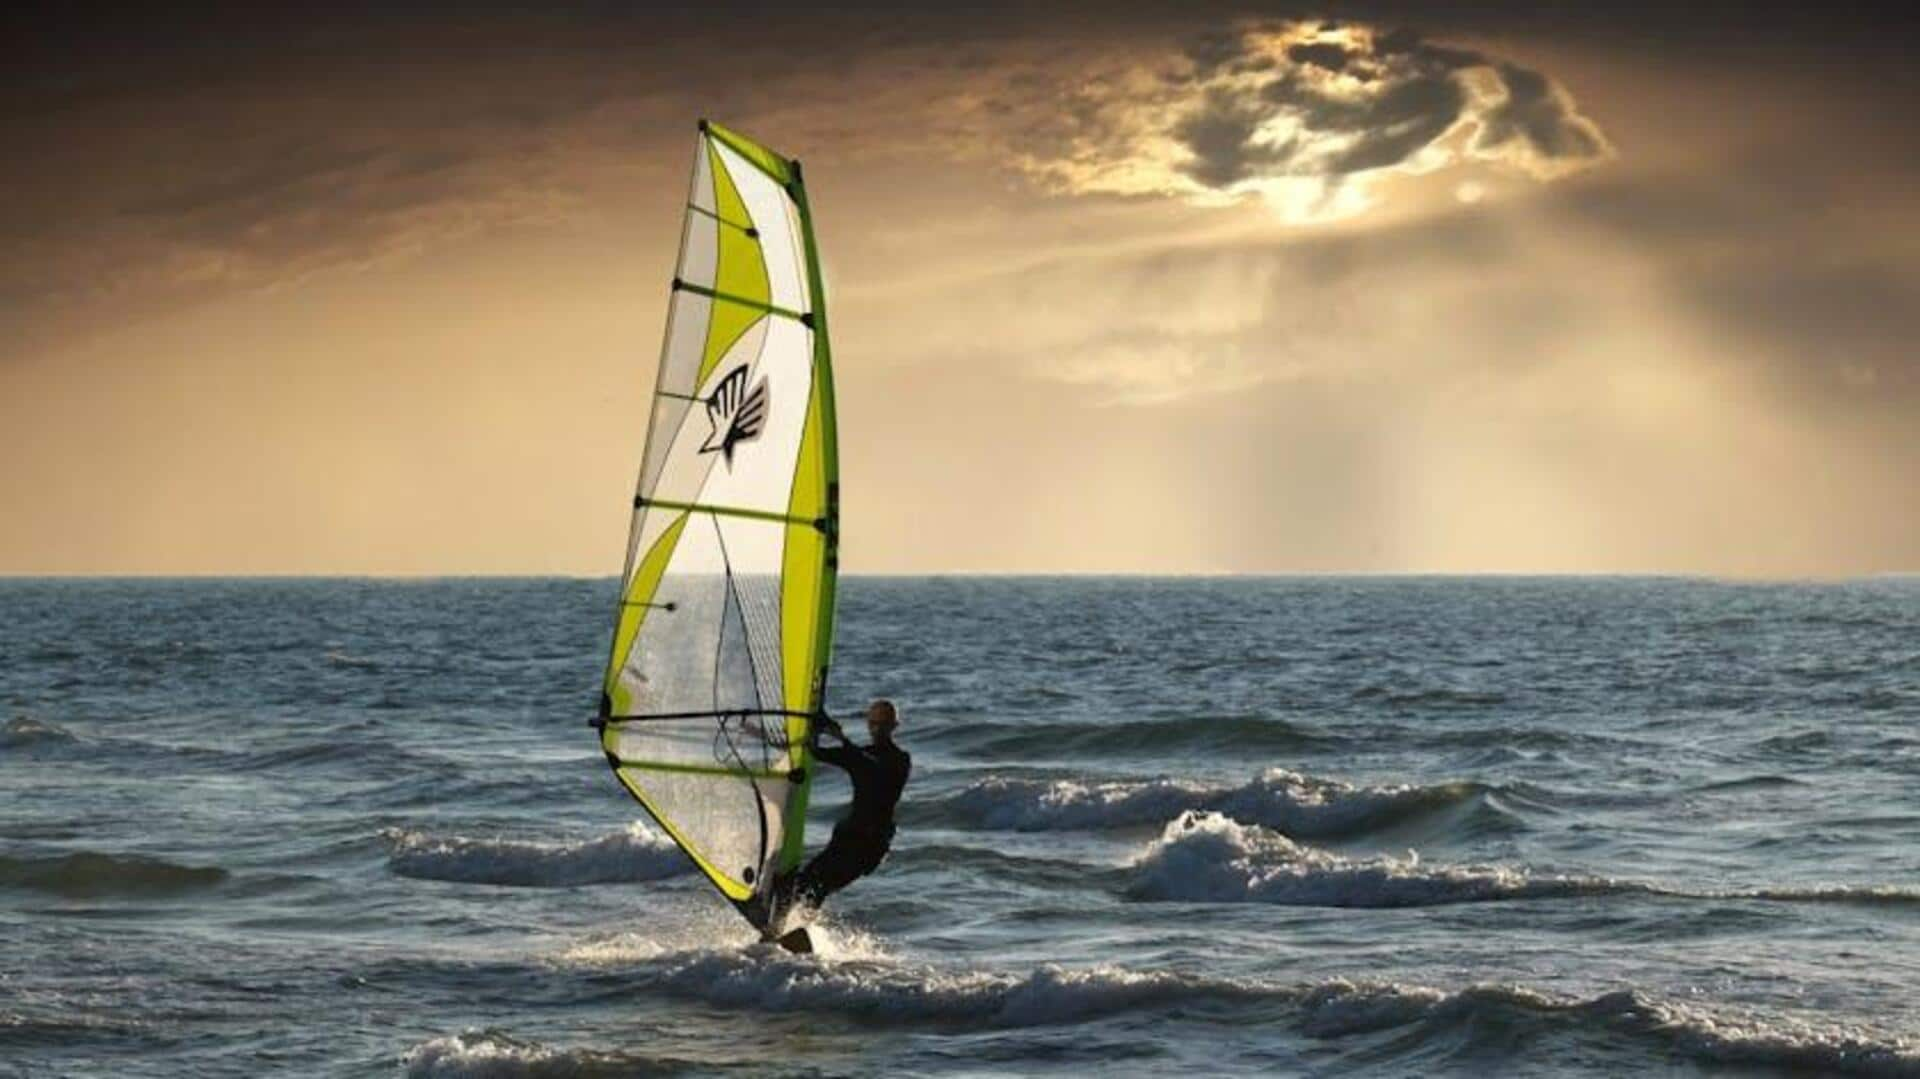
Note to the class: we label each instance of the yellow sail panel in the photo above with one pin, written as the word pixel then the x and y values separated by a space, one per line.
pixel 720 648
pixel 740 276
pixel 777 168
pixel 804 570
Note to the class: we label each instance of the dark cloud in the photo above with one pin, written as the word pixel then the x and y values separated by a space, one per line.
pixel 1361 102
pixel 1387 128
pixel 1541 115
pixel 1220 133
pixel 1323 54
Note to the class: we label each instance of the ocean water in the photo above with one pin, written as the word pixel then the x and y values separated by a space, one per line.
pixel 1414 826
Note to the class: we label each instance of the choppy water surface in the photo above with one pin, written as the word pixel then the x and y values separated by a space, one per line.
pixel 1591 827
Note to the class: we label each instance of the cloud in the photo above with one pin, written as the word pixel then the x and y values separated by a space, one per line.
pixel 1311 114
pixel 212 163
pixel 1538 121
pixel 1321 54
pixel 167 191
pixel 1221 135
pixel 1342 134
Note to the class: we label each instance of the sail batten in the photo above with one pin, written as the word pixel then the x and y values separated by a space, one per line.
pixel 723 630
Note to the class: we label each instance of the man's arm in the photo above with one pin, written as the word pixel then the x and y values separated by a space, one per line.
pixel 844 756
pixel 857 761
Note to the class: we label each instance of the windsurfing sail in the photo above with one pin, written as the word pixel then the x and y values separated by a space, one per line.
pixel 725 625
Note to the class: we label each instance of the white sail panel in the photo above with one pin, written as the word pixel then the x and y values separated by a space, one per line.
pixel 720 648
pixel 700 250
pixel 701 195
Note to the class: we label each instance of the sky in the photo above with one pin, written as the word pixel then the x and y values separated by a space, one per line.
pixel 1182 288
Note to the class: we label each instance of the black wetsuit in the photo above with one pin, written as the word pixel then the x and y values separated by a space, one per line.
pixel 861 839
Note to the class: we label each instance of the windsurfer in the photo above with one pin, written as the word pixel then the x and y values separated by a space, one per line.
pixel 860 841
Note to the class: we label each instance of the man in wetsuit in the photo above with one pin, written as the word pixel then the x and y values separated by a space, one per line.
pixel 860 841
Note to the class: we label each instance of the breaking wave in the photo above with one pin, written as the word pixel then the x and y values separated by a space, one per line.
pixel 1209 858
pixel 489 1054
pixel 1288 801
pixel 635 854
pixel 1486 1015
pixel 882 992
pixel 90 875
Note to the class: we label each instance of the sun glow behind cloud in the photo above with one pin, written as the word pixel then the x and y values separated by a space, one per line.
pixel 1311 118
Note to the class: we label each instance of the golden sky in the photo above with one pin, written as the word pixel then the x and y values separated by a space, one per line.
pixel 1195 288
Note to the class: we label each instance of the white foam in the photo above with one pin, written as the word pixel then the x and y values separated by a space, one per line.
pixel 635 854
pixel 479 1054
pixel 1296 804
pixel 833 941
pixel 1209 858
pixel 764 981
pixel 709 929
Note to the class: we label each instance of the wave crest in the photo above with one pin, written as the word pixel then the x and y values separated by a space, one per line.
pixel 490 1054
pixel 1205 857
pixel 764 980
pixel 1208 858
pixel 1287 801
pixel 635 854
pixel 885 992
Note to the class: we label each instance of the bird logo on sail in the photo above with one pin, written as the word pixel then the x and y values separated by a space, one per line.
pixel 737 413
